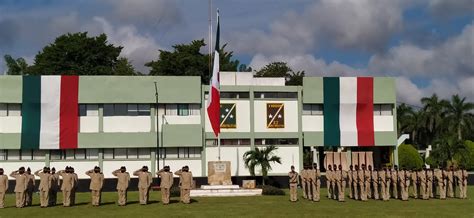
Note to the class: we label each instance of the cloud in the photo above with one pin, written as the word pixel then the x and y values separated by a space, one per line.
pixel 354 24
pixel 139 48
pixel 308 63
pixel 146 12
pixel 451 8
pixel 452 58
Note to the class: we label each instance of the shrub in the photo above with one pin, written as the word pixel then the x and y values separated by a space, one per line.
pixel 408 157
pixel 270 190
pixel 174 191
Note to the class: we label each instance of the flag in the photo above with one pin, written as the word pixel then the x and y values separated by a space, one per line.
pixel 49 112
pixel 213 102
pixel 348 111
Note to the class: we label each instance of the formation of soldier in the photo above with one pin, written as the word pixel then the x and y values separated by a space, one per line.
pixel 379 183
pixel 67 181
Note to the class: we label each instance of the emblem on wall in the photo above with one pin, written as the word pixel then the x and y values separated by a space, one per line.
pixel 275 115
pixel 228 116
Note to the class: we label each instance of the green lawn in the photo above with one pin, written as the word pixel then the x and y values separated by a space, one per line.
pixel 264 206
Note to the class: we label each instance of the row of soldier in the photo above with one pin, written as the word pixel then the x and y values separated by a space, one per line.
pixel 66 181
pixel 379 184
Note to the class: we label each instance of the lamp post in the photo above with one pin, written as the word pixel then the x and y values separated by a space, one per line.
pixel 157 132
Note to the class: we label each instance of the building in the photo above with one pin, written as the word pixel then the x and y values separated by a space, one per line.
pixel 119 117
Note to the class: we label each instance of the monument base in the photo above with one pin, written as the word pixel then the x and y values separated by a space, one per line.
pixel 224 191
pixel 218 173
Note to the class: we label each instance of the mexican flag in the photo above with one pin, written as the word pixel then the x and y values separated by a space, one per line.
pixel 348 111
pixel 49 112
pixel 213 103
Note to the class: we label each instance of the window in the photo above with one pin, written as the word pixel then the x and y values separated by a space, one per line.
pixel 276 95
pixel 126 110
pixel 13 154
pixel 92 153
pixel 144 153
pixel 91 110
pixel 290 141
pixel 234 95
pixel 383 109
pixel 108 153
pixel 313 109
pixel 132 153
pixel 3 154
pixel 39 154
pixel 171 109
pixel 82 110
pixel 181 152
pixel 80 154
pixel 69 154
pixel 213 142
pixel 26 155
pixel 120 153
pixel 183 110
pixel 194 109
pixel 11 110
pixel 171 152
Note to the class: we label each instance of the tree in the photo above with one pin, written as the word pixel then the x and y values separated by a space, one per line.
pixel 15 66
pixel 446 149
pixel 187 60
pixel 404 113
pixel 414 125
pixel 124 67
pixel 263 158
pixel 460 115
pixel 408 157
pixel 281 69
pixel 434 110
pixel 77 54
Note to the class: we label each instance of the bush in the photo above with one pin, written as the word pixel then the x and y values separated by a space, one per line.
pixel 408 157
pixel 270 190
pixel 174 191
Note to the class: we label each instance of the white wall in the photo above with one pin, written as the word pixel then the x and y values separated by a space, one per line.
pixel 242 113
pixel 313 123
pixel 291 116
pixel 9 167
pixel 383 123
pixel 110 165
pixel 289 156
pixel 80 167
pixel 10 124
pixel 89 124
pixel 194 166
pixel 127 124
pixel 232 154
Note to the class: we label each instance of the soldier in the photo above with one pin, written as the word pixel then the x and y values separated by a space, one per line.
pixel 414 182
pixel 20 186
pixel 55 184
pixel 375 182
pixel 3 188
pixel 334 182
pixel 383 183
pixel 30 187
pixel 76 184
pixel 342 179
pixel 329 181
pixel 350 180
pixel 185 183
pixel 309 182
pixel 44 186
pixel 144 182
pixel 450 177
pixel 97 181
pixel 316 183
pixel 166 183
pixel 293 177
pixel 355 180
pixel 464 182
pixel 368 182
pixel 394 178
pixel 364 175
pixel 68 185
pixel 404 180
pixel 423 184
pixel 123 179
pixel 440 178
pixel 304 181
pixel 429 182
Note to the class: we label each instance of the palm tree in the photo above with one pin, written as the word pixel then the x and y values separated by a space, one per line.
pixel 434 110
pixel 404 113
pixel 15 67
pixel 414 125
pixel 460 115
pixel 263 158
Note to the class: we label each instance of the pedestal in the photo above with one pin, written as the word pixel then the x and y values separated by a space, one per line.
pixel 218 173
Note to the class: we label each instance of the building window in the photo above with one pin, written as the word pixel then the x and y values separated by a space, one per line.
pixel 180 152
pixel 290 95
pixel 126 109
pixel 108 153
pixel 69 154
pixel 234 95
pixel 228 142
pixel 289 141
pixel 183 110
pixel 39 154
pixel 10 110
pixel 13 154
pixel 92 153
pixel 26 155
pixel 171 109
pixel 313 109
pixel 383 109
pixel 120 153
pixel 144 153
pixel 3 154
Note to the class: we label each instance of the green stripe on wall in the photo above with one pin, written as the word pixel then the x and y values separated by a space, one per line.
pixel 31 112
pixel 332 133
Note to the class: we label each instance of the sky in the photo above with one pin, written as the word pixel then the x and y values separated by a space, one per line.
pixel 427 45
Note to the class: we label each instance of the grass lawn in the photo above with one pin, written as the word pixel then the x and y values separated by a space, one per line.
pixel 262 206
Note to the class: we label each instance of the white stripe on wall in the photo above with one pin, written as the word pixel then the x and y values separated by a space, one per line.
pixel 50 104
pixel 348 110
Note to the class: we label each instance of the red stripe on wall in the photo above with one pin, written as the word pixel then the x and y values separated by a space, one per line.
pixel 69 119
pixel 214 110
pixel 365 111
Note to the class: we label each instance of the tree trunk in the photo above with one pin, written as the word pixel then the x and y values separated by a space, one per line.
pixel 459 133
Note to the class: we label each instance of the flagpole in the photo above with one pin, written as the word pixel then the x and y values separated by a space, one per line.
pixel 219 147
pixel 210 37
